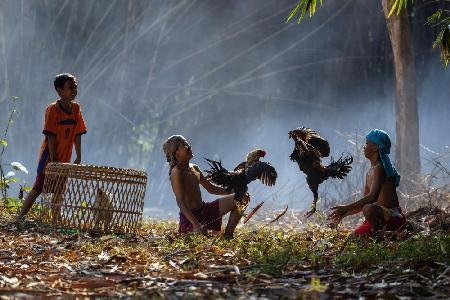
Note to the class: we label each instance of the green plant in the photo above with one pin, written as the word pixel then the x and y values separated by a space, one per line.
pixel 441 20
pixel 6 179
pixel 414 251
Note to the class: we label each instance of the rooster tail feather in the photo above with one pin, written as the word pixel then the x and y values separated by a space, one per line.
pixel 339 168
pixel 219 175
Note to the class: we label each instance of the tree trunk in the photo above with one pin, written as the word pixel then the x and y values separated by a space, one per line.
pixel 407 119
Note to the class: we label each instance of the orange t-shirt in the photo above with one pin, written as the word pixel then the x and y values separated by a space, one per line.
pixel 65 126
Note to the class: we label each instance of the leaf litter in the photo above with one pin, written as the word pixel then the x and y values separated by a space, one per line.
pixel 290 261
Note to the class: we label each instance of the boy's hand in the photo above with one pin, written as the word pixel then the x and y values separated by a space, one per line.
pixel 334 223
pixel 77 160
pixel 338 213
pixel 200 228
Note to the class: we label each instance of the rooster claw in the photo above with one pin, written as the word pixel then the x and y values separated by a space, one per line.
pixel 310 213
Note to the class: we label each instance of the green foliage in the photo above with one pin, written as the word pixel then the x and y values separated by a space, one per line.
pixel 144 141
pixel 399 5
pixel 271 251
pixel 303 7
pixel 4 183
pixel 13 204
pixel 409 253
pixel 10 203
pixel 441 20
pixel 27 188
pixel 274 251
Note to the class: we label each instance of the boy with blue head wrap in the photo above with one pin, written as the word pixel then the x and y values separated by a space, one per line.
pixel 379 204
pixel 383 142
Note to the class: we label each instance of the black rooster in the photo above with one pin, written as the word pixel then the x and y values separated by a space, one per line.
pixel 243 174
pixel 310 147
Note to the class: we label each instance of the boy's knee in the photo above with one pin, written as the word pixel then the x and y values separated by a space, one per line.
pixel 368 210
pixel 236 211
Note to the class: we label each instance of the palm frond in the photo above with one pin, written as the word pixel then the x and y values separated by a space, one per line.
pixel 302 7
pixel 441 20
pixel 399 5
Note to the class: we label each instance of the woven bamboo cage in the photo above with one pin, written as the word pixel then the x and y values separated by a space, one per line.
pixel 102 199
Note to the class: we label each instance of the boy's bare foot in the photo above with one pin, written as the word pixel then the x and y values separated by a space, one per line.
pixel 200 229
pixel 228 237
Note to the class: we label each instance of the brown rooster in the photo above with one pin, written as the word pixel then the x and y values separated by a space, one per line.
pixel 310 147
pixel 243 174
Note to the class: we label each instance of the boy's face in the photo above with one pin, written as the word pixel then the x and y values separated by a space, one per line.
pixel 184 152
pixel 69 92
pixel 370 149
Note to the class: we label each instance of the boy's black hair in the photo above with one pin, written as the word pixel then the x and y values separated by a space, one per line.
pixel 60 79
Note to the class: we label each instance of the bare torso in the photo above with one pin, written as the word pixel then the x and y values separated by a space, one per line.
pixel 191 186
pixel 388 194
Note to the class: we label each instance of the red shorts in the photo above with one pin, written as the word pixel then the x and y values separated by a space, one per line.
pixel 393 223
pixel 39 184
pixel 208 215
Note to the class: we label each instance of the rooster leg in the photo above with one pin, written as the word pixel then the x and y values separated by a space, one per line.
pixel 314 189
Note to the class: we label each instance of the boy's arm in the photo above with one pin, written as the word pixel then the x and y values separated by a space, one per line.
pixel 50 129
pixel 370 195
pixel 366 186
pixel 358 209
pixel 78 149
pixel 51 139
pixel 209 186
pixel 80 129
pixel 178 189
pixel 374 190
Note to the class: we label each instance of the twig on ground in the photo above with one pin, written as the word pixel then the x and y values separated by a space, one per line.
pixel 278 217
pixel 257 207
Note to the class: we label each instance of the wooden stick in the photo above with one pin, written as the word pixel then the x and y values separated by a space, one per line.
pixel 279 216
pixel 257 207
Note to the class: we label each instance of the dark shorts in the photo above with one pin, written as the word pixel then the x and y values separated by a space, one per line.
pixel 38 185
pixel 208 215
pixel 394 220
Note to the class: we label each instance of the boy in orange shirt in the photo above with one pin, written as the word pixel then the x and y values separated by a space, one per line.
pixel 63 127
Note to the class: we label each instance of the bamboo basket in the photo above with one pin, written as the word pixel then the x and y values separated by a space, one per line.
pixel 85 197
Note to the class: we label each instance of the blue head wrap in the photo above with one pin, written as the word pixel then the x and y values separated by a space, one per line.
pixel 382 140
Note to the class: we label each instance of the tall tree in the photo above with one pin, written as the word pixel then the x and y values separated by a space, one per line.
pixel 407 118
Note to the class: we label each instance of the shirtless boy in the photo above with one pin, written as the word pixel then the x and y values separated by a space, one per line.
pixel 195 214
pixel 379 204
